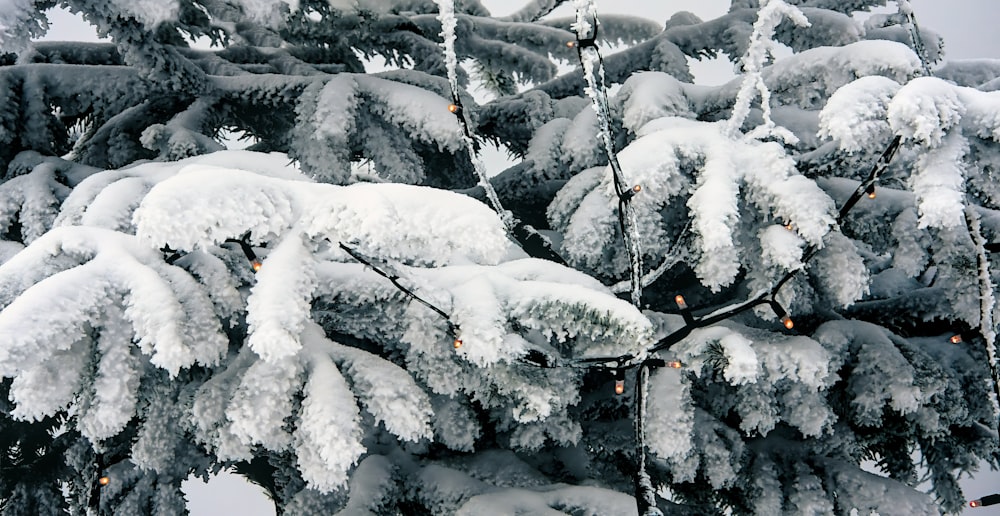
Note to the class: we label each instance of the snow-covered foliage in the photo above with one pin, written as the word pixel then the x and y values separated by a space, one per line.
pixel 336 314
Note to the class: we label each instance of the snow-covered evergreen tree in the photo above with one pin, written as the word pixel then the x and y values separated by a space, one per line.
pixel 352 316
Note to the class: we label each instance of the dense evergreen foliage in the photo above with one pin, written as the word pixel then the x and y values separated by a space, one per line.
pixel 337 314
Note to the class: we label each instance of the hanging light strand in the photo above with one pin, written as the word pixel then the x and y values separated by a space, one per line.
pixel 592 63
pixel 645 493
pixel 987 301
pixel 913 31
pixel 530 239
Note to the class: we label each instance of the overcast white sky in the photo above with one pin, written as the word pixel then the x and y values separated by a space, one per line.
pixel 970 31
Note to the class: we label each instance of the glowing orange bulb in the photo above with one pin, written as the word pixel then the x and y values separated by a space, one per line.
pixel 104 481
pixel 256 265
pixel 458 343
pixel 453 108
pixel 675 364
pixel 619 386
pixel 986 501
pixel 871 194
pixel 637 188
pixel 787 321
pixel 789 226
pixel 955 339
pixel 571 44
pixel 681 303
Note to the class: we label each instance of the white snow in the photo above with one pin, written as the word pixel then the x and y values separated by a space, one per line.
pixel 328 434
pixel 150 13
pixel 855 115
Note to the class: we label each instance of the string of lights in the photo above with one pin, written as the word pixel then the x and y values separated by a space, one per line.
pixel 986 501
pixel 913 31
pixel 593 66
pixel 987 301
pixel 590 56
pixel 100 479
pixel 592 63
pixel 528 237
pixel 394 278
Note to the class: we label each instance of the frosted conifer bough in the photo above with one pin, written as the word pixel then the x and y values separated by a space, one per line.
pixel 326 379
pixel 548 302
pixel 332 113
pixel 728 171
pixel 293 222
pixel 944 122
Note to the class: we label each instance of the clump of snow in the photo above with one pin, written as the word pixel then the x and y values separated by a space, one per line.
pixel 781 247
pixel 646 96
pixel 855 115
pixel 112 404
pixel 269 14
pixel 455 424
pixel 429 225
pixel 328 434
pixel 658 161
pixel 925 109
pixel 281 299
pixel 263 400
pixel 669 423
pixel 840 270
pixel 172 213
pixel 34 200
pixel 939 183
pixel 387 392
pixel 50 385
pixel 150 13
pixel 171 317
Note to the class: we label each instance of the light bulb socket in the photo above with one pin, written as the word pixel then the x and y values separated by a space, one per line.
pixel 627 195
pixel 986 501
pixel 870 191
pixel 782 314
pixel 538 358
